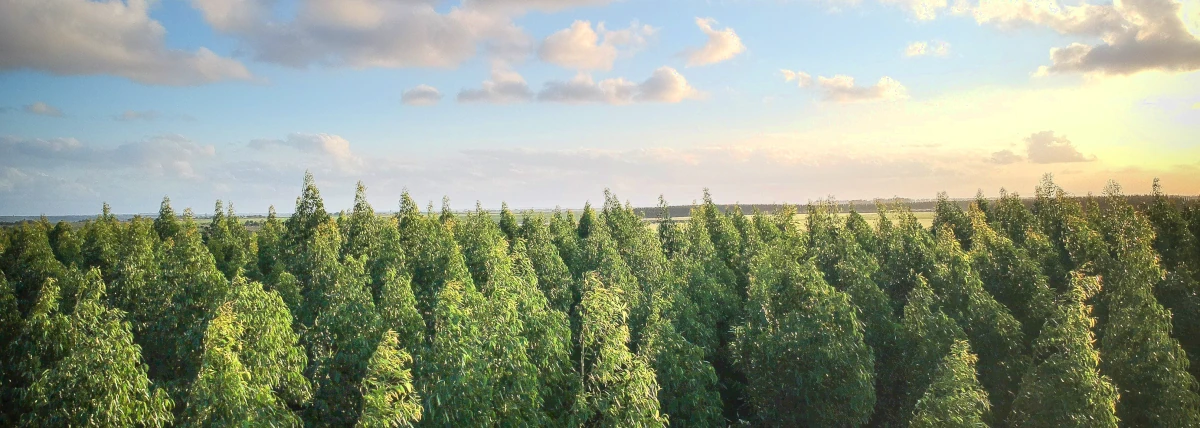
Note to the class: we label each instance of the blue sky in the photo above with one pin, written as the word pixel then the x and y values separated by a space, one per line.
pixel 129 101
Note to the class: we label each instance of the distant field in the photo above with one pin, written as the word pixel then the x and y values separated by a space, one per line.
pixel 924 217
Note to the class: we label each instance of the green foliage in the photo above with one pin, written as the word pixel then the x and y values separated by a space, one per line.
pixel 927 335
pixel 616 387
pixel 849 269
pixel 301 228
pixel 97 379
pixel 229 242
pixel 270 247
pixel 553 277
pixel 954 398
pixel 167 223
pixel 1065 387
pixel 948 215
pixel 226 392
pixel 389 399
pixel 802 348
pixel 993 331
pixel 28 262
pixel 100 241
pixel 190 289
pixel 689 394
pixel 476 372
pixel 1010 275
pixel 905 249
pixel 398 310
pixel 362 227
pixel 271 353
pixel 434 258
pixel 1148 367
pixel 600 319
pixel 68 247
pixel 508 223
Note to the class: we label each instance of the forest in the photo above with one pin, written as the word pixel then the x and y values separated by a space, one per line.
pixel 1067 311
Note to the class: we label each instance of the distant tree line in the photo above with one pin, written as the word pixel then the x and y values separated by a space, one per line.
pixel 1051 312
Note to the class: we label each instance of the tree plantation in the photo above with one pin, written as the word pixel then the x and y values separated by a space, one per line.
pixel 1056 311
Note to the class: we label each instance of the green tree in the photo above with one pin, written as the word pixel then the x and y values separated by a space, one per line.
pixel 905 249
pixel 270 350
pixel 616 387
pixel 167 223
pixel 1013 277
pixel 1179 292
pixel 433 258
pixel 229 242
pixel 100 242
pixel 226 392
pixel 928 335
pixel 948 215
pixel 189 291
pixel 566 239
pixel 99 379
pixel 849 269
pixel 68 248
pixel 954 397
pixel 1065 387
pixel 398 310
pixel 508 223
pixel 270 248
pixel 1148 367
pixel 802 347
pixel 994 333
pixel 10 329
pixel 389 398
pixel 28 262
pixel 689 394
pixel 553 277
pixel 1011 217
pixel 477 372
pixel 362 227
pixel 301 227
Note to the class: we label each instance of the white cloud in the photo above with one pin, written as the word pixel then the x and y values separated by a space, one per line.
pixel 1045 147
pixel 422 95
pixel 923 10
pixel 802 79
pixel 665 85
pixel 377 33
pixel 582 48
pixel 79 37
pixel 325 145
pixel 939 48
pixel 1136 35
pixel 721 45
pixel 841 89
pixel 43 109
pixel 504 87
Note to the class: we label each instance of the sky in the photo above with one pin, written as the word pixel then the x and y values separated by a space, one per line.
pixel 544 103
